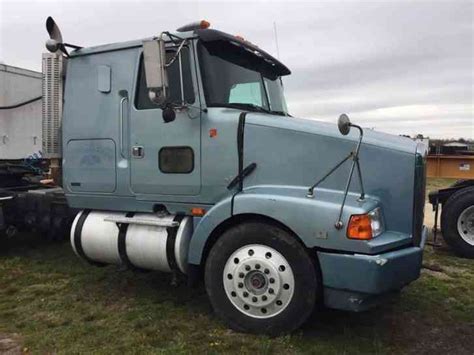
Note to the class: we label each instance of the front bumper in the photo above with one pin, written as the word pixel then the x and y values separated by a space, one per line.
pixel 356 282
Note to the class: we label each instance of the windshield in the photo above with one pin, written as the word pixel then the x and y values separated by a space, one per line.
pixel 230 85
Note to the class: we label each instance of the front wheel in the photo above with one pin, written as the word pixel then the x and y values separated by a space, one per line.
pixel 261 280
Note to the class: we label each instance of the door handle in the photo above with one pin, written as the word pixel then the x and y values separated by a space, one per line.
pixel 138 151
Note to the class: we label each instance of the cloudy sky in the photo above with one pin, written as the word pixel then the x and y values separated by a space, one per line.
pixel 403 67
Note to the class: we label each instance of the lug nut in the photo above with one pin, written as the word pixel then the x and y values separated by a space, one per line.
pixel 257 266
pixel 266 271
pixel 240 285
pixel 247 267
pixel 246 294
pixel 264 298
pixel 241 275
pixel 254 299
pixel 272 280
pixel 270 291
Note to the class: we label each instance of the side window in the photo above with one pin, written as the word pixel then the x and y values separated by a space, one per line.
pixel 176 160
pixel 142 102
pixel 249 93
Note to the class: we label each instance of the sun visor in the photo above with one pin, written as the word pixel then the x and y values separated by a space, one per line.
pixel 242 53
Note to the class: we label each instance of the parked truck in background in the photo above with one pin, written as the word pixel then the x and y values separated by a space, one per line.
pixel 179 154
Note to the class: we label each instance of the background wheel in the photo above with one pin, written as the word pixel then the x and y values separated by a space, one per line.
pixel 457 222
pixel 260 279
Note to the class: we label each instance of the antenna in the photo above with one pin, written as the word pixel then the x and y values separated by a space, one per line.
pixel 276 39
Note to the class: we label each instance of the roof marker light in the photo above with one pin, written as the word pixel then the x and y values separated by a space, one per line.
pixel 198 25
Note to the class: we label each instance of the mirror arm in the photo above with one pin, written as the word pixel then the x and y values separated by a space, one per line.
pixel 361 135
pixel 176 55
pixel 356 160
pixel 172 37
pixel 310 193
pixel 355 165
pixel 181 79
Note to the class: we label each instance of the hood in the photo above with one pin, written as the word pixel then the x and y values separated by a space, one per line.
pixel 298 152
pixel 371 137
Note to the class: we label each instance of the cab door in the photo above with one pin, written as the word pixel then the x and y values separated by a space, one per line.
pixel 165 157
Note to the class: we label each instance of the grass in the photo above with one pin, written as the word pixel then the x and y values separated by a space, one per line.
pixel 53 302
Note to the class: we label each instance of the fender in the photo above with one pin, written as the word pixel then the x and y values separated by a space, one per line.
pixel 311 219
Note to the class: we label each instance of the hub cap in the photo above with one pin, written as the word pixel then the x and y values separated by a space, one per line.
pixel 466 225
pixel 258 281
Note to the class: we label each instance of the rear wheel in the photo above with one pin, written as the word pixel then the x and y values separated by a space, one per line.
pixel 457 222
pixel 261 280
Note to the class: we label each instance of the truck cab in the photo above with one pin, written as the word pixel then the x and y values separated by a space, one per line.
pixel 181 155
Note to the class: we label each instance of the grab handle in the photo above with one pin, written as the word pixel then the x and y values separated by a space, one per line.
pixel 121 113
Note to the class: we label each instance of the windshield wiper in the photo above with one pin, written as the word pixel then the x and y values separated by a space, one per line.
pixel 250 107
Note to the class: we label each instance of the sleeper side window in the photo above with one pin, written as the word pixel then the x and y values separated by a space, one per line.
pixel 143 102
pixel 176 160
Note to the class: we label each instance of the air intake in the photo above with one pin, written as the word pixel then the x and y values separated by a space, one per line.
pixel 53 65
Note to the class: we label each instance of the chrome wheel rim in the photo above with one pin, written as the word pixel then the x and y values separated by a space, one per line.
pixel 466 225
pixel 259 281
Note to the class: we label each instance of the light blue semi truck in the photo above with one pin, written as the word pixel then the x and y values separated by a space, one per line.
pixel 181 156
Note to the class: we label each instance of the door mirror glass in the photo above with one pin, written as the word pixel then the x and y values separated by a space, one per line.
pixel 344 124
pixel 154 59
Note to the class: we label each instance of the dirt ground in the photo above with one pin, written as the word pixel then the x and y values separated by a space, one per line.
pixel 10 345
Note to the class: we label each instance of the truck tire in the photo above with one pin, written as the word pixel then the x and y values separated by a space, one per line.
pixel 260 279
pixel 457 222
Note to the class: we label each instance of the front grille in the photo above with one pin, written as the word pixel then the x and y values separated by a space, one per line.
pixel 419 194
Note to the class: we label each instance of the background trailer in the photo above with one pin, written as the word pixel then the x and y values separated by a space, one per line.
pixel 20 113
pixel 26 202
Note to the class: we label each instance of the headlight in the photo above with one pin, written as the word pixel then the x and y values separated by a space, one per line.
pixel 366 226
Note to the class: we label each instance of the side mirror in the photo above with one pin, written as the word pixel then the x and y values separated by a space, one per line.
pixel 169 115
pixel 154 60
pixel 344 124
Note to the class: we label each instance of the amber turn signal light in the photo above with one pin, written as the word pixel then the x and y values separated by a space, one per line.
pixel 198 212
pixel 360 227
